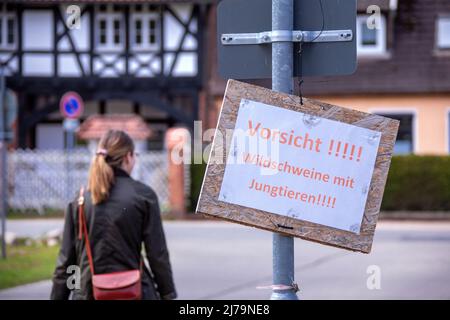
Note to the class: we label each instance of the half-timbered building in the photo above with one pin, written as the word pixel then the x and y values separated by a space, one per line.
pixel 157 59
pixel 141 57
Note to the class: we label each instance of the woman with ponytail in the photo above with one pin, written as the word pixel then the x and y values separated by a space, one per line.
pixel 121 214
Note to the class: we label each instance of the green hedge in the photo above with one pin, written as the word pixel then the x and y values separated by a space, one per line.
pixel 415 183
pixel 197 173
pixel 418 183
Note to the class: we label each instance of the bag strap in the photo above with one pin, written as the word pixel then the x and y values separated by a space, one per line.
pixel 82 229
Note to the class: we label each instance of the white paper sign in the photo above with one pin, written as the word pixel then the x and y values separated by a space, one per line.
pixel 297 165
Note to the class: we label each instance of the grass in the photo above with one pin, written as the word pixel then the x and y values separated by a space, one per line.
pixel 47 213
pixel 26 264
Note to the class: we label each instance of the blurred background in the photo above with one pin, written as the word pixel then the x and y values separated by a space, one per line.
pixel 71 70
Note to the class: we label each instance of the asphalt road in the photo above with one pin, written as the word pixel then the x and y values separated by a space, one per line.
pixel 218 260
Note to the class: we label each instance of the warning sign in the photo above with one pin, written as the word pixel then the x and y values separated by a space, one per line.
pixel 301 166
pixel 312 170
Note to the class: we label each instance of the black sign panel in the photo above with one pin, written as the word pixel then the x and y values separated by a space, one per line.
pixel 254 61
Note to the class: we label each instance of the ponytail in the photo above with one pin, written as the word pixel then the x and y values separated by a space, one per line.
pixel 113 147
pixel 101 177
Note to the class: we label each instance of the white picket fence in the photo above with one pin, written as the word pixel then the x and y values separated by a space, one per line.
pixel 39 179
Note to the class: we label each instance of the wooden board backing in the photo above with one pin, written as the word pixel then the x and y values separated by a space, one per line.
pixel 210 205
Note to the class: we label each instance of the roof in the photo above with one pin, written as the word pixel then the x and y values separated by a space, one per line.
pixel 96 125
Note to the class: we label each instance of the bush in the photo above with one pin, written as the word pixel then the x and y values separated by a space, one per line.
pixel 418 183
pixel 197 174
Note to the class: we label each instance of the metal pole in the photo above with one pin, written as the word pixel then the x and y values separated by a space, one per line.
pixel 69 147
pixel 69 163
pixel 282 81
pixel 4 167
pixel 70 126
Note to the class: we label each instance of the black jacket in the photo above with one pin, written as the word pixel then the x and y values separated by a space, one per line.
pixel 117 228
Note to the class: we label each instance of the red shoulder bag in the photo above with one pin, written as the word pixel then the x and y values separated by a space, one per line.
pixel 122 285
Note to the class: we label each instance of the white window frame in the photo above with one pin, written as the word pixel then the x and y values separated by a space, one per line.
pixel 406 111
pixel 109 16
pixel 437 42
pixel 144 15
pixel 5 16
pixel 371 50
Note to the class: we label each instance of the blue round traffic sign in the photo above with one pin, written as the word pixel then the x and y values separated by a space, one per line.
pixel 71 105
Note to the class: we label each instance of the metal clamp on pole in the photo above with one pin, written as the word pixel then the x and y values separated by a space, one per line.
pixel 286 36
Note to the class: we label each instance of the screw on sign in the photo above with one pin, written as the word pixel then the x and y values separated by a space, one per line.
pixel 71 105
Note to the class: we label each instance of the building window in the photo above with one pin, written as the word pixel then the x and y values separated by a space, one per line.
pixel 102 31
pixel 443 32
pixel 370 41
pixel 109 27
pixel 145 27
pixel 138 32
pixel 8 27
pixel 152 31
pixel 404 143
pixel 117 31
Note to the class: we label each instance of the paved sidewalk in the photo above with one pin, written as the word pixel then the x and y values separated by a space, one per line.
pixel 219 260
pixel 33 228
pixel 32 291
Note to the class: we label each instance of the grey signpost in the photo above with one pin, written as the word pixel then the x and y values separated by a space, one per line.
pixel 70 126
pixel 71 106
pixel 282 73
pixel 324 28
pixel 3 193
pixel 8 114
